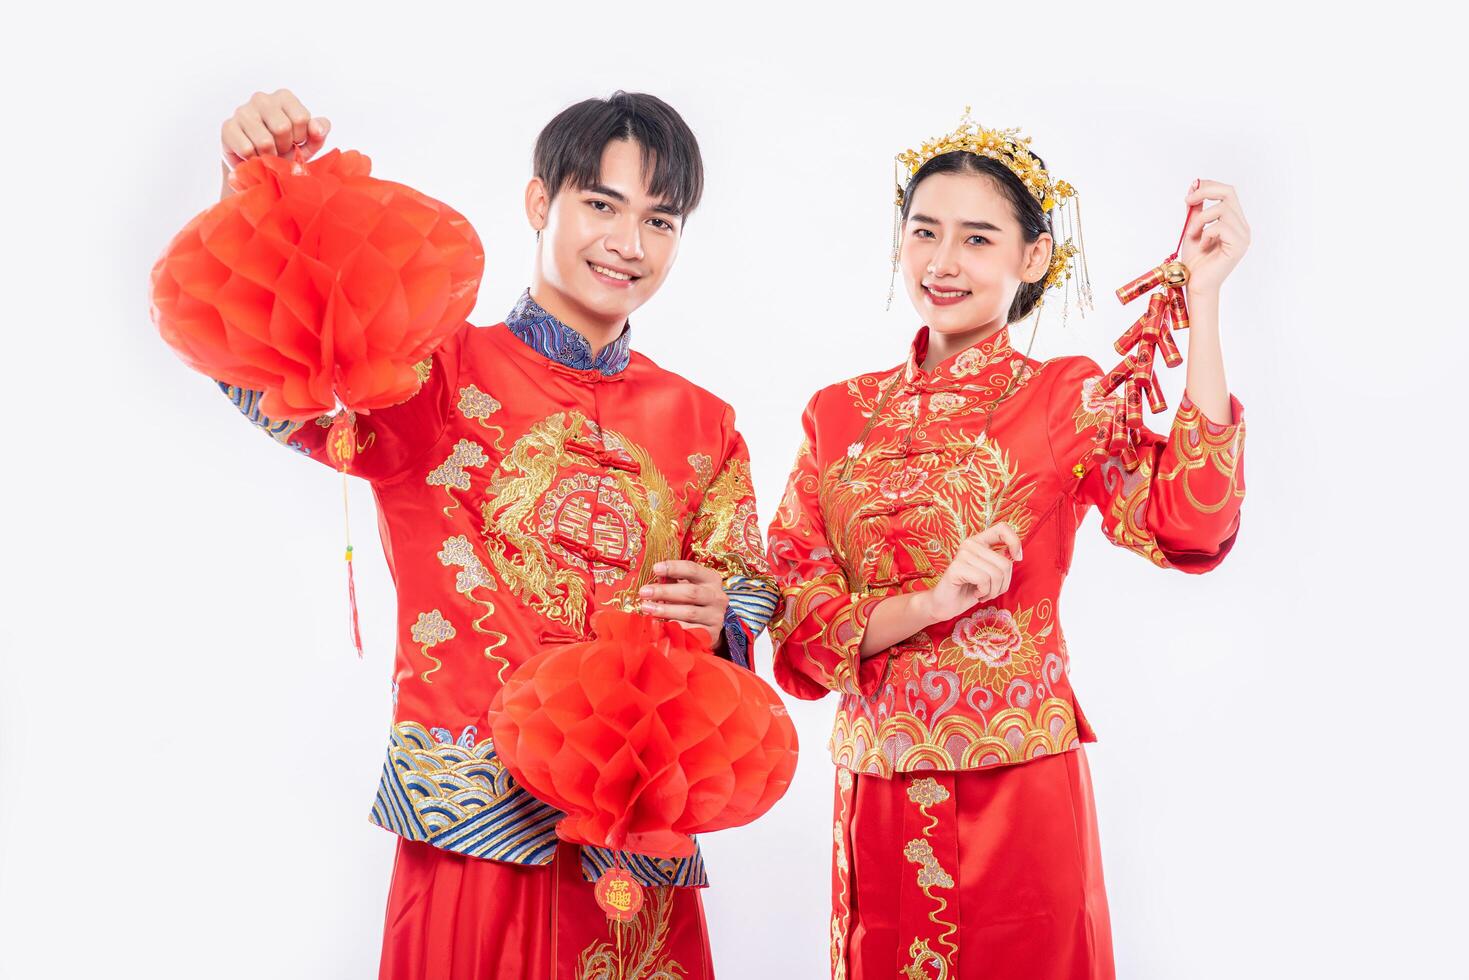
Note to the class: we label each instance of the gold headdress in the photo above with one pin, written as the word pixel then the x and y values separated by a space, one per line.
pixel 1057 198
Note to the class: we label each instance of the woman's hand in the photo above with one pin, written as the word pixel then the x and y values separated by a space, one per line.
pixel 1215 239
pixel 270 125
pixel 691 594
pixel 980 571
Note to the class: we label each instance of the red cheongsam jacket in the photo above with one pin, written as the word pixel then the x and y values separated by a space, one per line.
pixel 866 517
pixel 517 495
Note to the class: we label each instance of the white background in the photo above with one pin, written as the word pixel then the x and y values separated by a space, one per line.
pixel 187 747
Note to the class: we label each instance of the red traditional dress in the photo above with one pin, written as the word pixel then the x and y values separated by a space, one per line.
pixel 527 484
pixel 965 839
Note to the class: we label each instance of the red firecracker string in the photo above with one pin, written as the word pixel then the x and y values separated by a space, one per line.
pixel 1151 333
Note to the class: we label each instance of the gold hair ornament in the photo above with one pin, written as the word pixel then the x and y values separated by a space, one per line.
pixel 1057 198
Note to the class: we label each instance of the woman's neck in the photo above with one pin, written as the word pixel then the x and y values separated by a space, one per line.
pixel 942 346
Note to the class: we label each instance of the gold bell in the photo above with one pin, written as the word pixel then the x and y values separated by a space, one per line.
pixel 1175 274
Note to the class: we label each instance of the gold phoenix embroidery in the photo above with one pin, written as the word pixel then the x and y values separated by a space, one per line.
pixel 921 958
pixel 936 498
pixel 638 952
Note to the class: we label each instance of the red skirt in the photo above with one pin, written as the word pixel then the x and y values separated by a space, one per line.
pixel 992 873
pixel 452 917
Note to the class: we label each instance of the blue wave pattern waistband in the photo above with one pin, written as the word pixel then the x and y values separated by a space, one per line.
pixel 455 793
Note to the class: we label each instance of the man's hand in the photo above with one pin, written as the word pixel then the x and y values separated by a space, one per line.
pixel 689 594
pixel 271 124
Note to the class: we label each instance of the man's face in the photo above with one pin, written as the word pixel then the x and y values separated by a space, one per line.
pixel 604 250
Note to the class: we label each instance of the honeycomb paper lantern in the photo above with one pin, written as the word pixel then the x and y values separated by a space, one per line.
pixel 643 736
pixel 318 284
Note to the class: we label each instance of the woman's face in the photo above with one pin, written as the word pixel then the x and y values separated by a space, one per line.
pixel 964 255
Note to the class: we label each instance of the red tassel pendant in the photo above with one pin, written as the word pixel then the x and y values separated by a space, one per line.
pixel 618 893
pixel 341 447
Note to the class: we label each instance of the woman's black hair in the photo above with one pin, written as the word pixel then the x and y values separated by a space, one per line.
pixel 569 149
pixel 1027 210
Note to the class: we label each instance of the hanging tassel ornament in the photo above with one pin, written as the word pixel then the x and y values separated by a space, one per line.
pixel 1150 334
pixel 618 893
pixel 341 447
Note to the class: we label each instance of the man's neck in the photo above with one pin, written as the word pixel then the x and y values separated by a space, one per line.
pixel 599 332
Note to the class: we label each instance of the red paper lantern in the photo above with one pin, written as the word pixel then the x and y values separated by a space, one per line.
pixel 317 284
pixel 643 736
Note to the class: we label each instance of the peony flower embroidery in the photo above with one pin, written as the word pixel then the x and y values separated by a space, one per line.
pixel 989 635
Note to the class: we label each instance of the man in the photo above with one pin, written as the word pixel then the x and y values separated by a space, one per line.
pixel 543 470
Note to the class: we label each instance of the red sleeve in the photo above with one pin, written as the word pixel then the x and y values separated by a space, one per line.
pixel 1180 506
pixel 389 439
pixel 725 536
pixel 817 630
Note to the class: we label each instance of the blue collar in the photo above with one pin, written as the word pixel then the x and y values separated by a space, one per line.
pixel 553 339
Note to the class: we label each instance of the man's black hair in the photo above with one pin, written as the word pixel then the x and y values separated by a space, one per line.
pixel 569 149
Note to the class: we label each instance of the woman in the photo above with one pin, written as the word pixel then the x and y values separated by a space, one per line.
pixel 921 546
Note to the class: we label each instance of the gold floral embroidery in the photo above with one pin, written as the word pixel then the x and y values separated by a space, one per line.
pixel 431 630
pixel 789 517
pixel 841 913
pixel 703 466
pixel 451 473
pixel 867 396
pixel 725 534
pixel 479 406
pixel 930 875
pixel 927 792
pixel 1095 409
pixel 457 552
pixel 423 369
pixel 924 793
pixel 992 350
pixel 638 950
pixel 991 646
